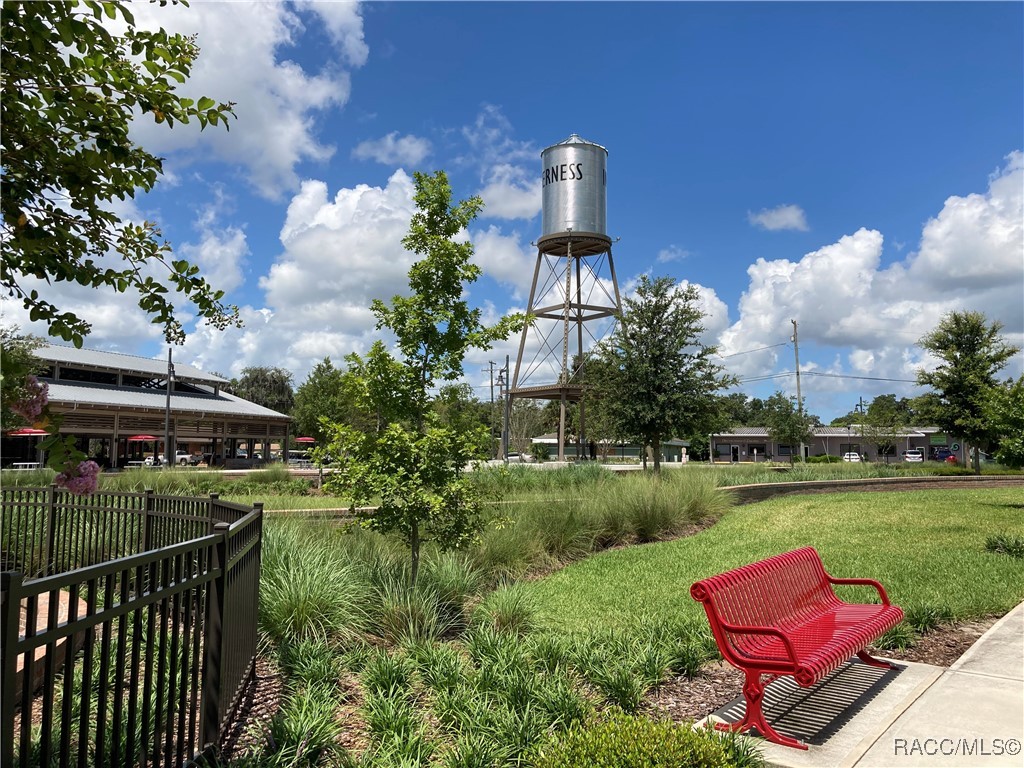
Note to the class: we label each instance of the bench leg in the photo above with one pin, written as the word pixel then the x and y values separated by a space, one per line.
pixel 867 658
pixel 753 717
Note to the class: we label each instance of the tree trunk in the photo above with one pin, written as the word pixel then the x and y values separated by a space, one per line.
pixel 414 550
pixel 643 455
pixel 656 450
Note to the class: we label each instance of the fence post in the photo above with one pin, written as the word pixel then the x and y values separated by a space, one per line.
pixel 10 615
pixel 51 530
pixel 147 522
pixel 212 520
pixel 213 656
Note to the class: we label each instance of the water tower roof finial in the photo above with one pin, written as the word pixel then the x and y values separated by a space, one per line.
pixel 577 139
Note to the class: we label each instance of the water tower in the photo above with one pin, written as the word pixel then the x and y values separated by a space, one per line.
pixel 574 297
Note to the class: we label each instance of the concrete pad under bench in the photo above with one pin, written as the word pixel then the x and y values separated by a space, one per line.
pixel 840 716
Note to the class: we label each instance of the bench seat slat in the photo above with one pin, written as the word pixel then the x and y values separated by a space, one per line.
pixel 824 643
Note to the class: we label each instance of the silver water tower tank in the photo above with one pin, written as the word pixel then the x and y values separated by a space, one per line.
pixel 574 183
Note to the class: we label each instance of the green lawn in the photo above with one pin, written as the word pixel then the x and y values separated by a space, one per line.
pixel 926 547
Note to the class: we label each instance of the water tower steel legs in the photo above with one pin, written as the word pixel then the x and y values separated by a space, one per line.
pixel 571 312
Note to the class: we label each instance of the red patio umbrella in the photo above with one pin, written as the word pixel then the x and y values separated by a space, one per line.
pixel 141 438
pixel 27 432
pixel 305 439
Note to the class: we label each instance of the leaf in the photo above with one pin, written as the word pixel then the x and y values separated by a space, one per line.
pixel 205 103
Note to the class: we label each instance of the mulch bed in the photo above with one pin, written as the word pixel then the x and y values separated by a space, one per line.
pixel 680 699
pixel 685 699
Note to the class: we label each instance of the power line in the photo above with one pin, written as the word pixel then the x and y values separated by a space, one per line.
pixel 861 378
pixel 748 351
pixel 826 375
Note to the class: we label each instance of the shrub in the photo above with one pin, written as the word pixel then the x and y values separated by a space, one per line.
pixel 623 741
pixel 1006 544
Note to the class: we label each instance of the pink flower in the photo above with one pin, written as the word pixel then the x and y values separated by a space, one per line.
pixel 81 480
pixel 37 395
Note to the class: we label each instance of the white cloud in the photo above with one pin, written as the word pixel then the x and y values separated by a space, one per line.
pixel 338 254
pixel 511 193
pixel 780 217
pixel 391 150
pixel 243 59
pixel 507 167
pixel 491 142
pixel 504 258
pixel 344 25
pixel 219 254
pixel 672 253
pixel 866 319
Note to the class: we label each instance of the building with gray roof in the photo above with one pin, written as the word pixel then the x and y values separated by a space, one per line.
pixel 109 401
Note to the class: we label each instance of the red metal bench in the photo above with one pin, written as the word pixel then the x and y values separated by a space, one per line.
pixel 780 616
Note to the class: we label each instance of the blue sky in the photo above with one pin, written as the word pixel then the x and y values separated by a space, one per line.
pixel 857 167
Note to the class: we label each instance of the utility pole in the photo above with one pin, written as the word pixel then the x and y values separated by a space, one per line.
pixel 169 456
pixel 799 399
pixel 490 363
pixel 505 384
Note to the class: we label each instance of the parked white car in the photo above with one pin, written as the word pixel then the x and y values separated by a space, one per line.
pixel 851 457
pixel 181 459
pixel 913 455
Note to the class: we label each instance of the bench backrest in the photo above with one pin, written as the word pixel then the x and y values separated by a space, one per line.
pixel 780 591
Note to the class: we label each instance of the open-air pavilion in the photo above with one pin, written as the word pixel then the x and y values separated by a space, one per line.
pixel 108 401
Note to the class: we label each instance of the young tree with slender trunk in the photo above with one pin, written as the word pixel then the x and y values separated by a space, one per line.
pixel 786 423
pixel 970 352
pixel 413 463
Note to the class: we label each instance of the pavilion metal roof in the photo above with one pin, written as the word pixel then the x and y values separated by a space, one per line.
pixel 223 404
pixel 116 361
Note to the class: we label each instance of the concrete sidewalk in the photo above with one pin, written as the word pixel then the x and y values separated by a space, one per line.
pixel 971 714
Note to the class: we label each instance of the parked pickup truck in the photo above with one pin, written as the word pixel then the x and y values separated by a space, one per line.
pixel 180 458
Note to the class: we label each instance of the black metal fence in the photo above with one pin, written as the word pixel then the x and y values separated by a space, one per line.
pixel 129 625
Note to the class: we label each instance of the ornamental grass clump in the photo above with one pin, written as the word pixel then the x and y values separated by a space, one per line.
pixel 925 618
pixel 508 609
pixel 1006 544
pixel 304 731
pixel 307 589
pixel 310 662
pixel 564 530
pixel 403 614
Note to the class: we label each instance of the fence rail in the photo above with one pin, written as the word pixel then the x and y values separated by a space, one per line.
pixel 128 627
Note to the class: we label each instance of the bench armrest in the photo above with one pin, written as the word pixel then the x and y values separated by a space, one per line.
pixel 865 582
pixel 739 629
